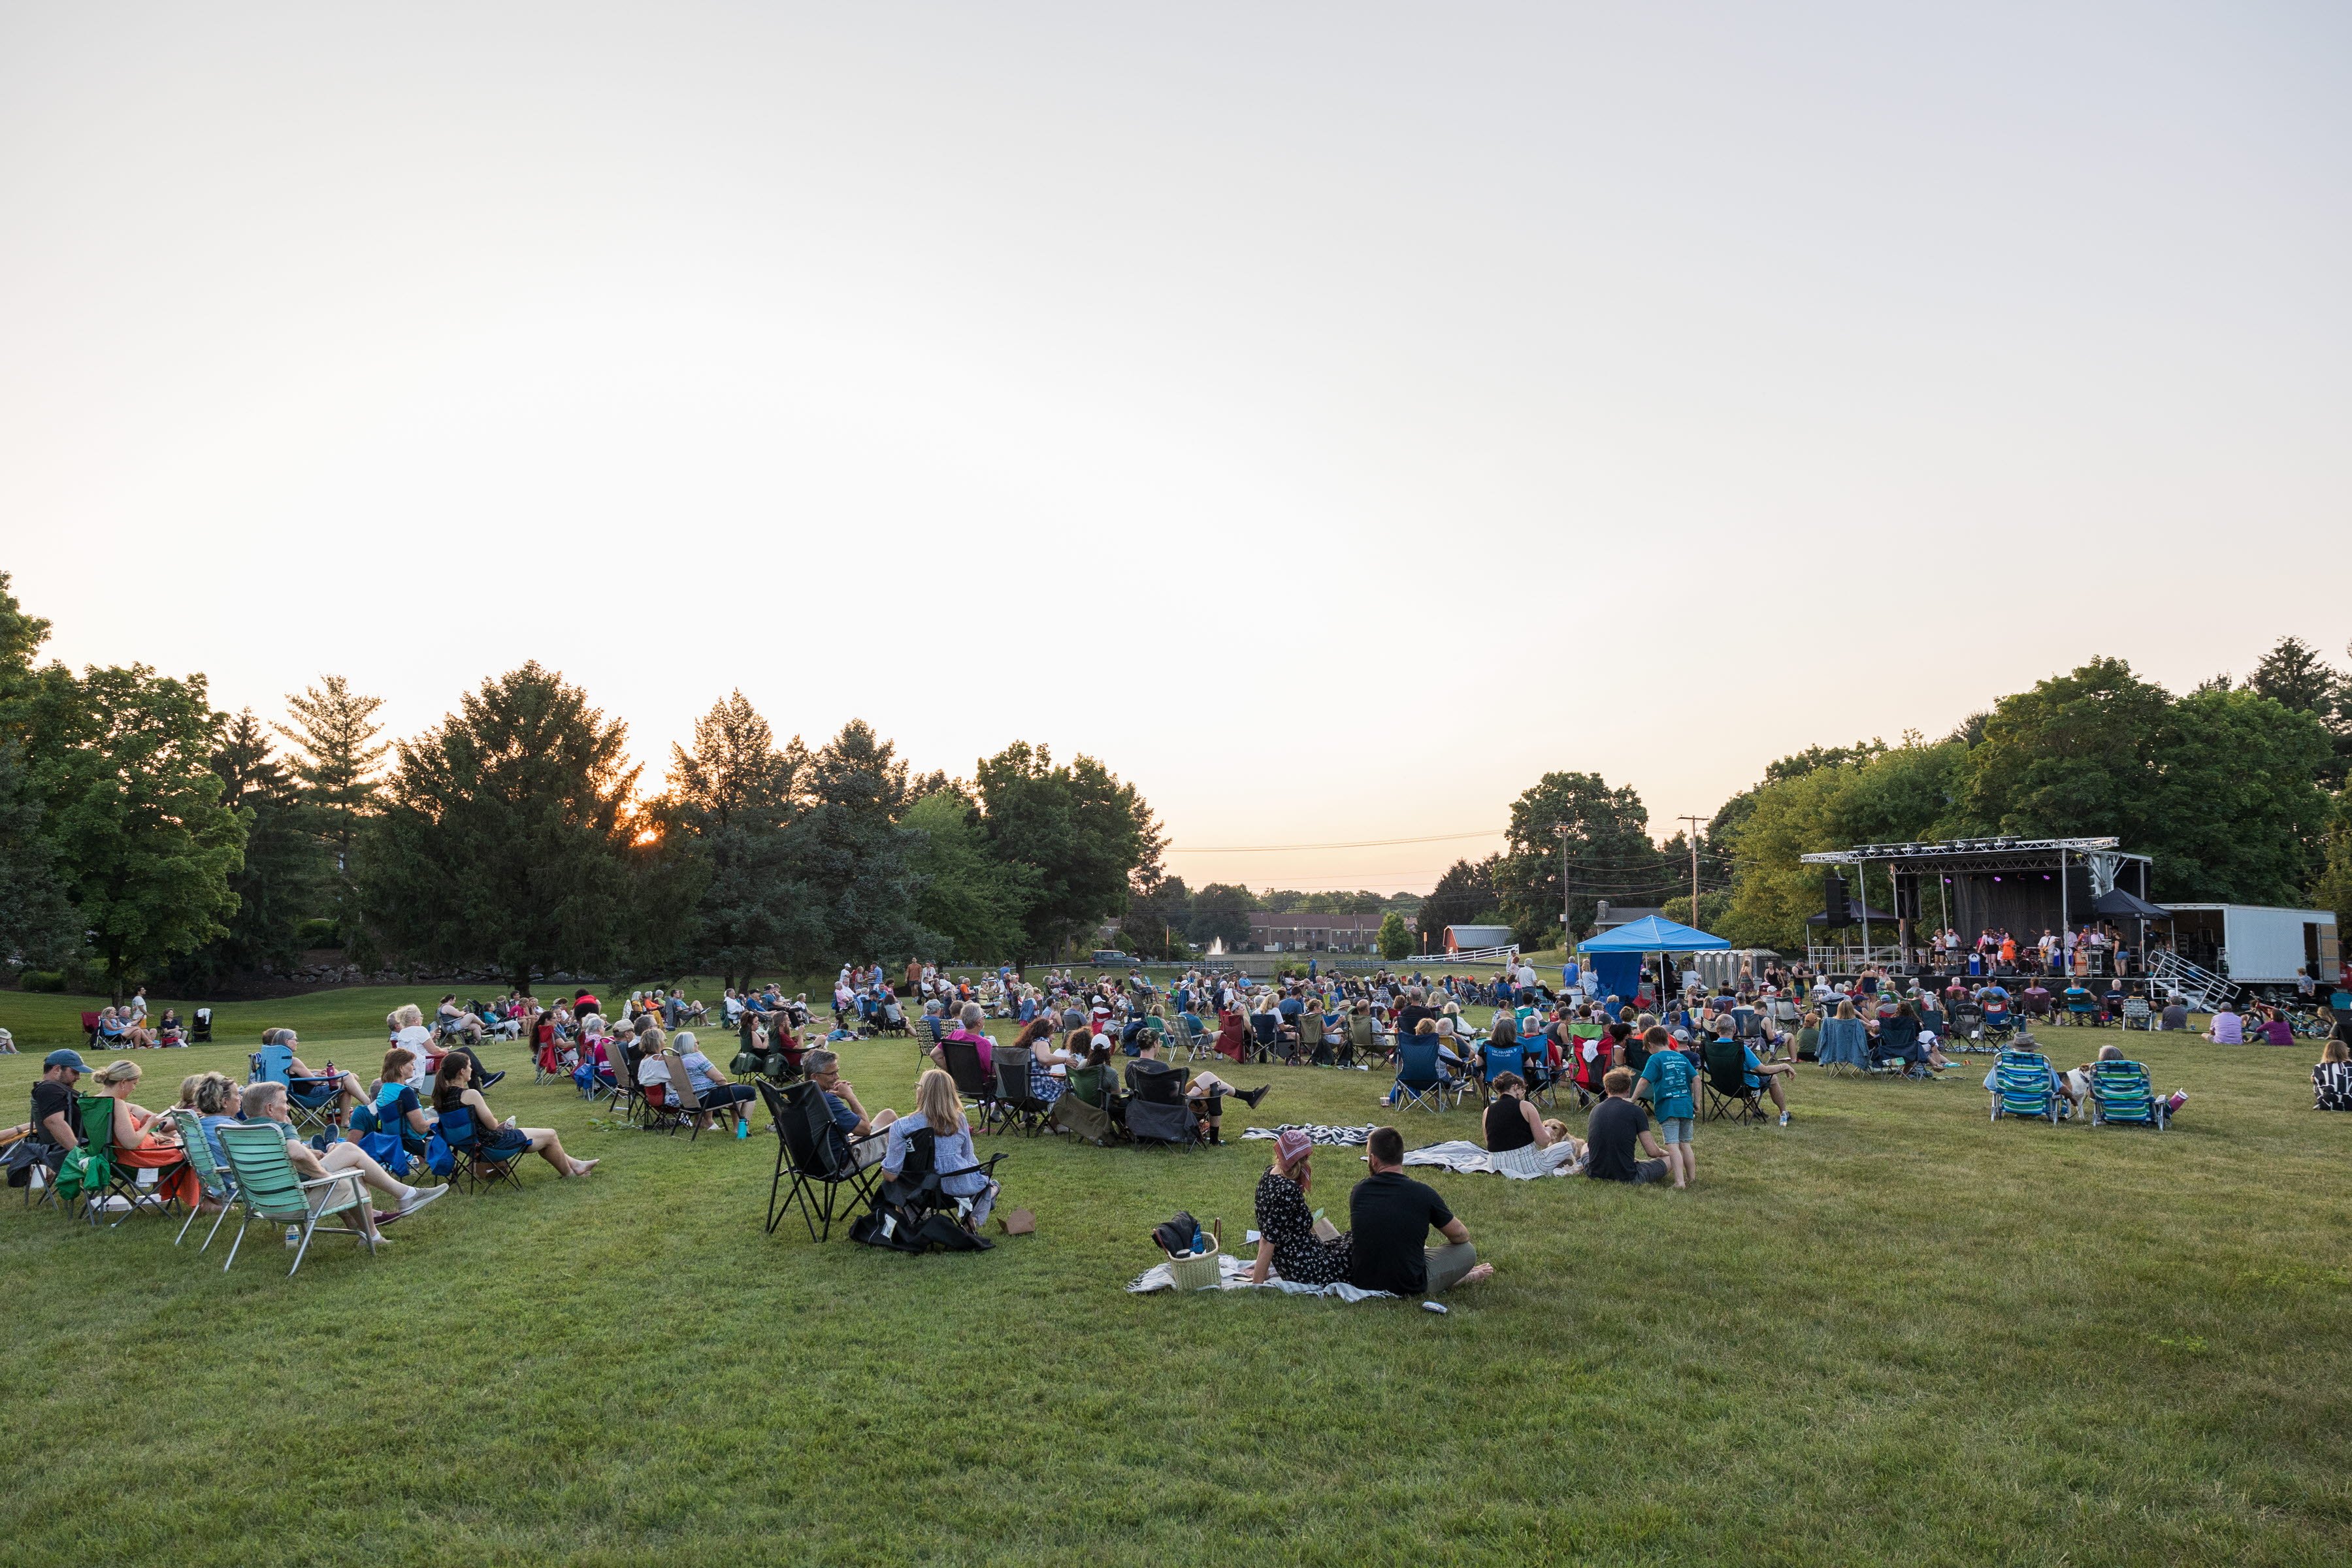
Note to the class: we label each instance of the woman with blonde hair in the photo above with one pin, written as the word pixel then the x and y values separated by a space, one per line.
pixel 141 1140
pixel 953 1158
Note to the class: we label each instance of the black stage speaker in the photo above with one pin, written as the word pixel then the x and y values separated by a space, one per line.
pixel 1834 912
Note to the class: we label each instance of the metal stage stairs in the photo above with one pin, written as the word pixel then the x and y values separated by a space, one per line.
pixel 2204 989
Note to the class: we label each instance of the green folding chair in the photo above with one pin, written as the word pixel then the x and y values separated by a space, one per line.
pixel 105 1178
pixel 216 1181
pixel 270 1189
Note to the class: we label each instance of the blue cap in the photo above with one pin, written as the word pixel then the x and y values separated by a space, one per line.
pixel 65 1059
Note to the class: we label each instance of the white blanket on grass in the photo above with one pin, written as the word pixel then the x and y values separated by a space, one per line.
pixel 1565 1158
pixel 1232 1274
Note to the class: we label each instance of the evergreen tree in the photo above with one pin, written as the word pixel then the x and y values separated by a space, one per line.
pixel 851 857
pixel 284 871
pixel 336 758
pixel 1395 940
pixel 2294 676
pixel 504 835
pixel 1466 892
pixel 731 797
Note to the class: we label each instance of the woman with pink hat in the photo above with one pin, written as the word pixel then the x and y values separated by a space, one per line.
pixel 1288 1243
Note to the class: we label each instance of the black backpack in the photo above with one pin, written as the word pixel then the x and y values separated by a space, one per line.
pixel 1175 1236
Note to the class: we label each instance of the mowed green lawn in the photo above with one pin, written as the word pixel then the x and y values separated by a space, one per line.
pixel 1889 1332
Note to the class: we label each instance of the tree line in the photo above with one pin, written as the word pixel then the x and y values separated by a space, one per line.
pixel 145 836
pixel 2236 789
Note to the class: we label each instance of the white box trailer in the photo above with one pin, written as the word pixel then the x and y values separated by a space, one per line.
pixel 2256 944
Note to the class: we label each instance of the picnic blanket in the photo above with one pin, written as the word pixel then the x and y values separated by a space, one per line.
pixel 1565 1158
pixel 1232 1274
pixel 1338 1137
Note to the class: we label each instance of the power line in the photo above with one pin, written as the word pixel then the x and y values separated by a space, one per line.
pixel 1352 844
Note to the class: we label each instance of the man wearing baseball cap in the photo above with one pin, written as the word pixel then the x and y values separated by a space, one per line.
pixel 57 1117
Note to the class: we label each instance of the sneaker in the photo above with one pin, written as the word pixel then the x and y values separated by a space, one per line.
pixel 1784 1119
pixel 1251 1097
pixel 490 1082
pixel 420 1196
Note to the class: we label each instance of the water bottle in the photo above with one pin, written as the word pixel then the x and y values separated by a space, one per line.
pixel 293 1235
pixel 1200 1243
pixel 743 1127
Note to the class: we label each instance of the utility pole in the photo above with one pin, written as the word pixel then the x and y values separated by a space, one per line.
pixel 1694 821
pixel 1567 937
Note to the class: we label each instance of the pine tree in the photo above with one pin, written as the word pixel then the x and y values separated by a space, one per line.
pixel 336 759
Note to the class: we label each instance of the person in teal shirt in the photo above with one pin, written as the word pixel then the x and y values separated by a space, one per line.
pixel 1670 1081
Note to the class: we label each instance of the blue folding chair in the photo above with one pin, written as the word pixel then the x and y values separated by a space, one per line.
pixel 1421 1076
pixel 2023 1086
pixel 310 1100
pixel 475 1163
pixel 1496 1060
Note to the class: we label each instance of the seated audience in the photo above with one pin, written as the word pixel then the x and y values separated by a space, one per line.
pixel 938 1108
pixel 265 1104
pixel 1612 1131
pixel 713 1089
pixel 142 1140
pixel 2174 1019
pixel 1287 1242
pixel 1390 1217
pixel 2227 1028
pixel 452 1088
pixel 857 1128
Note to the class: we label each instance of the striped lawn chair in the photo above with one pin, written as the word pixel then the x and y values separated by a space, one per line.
pixel 2121 1093
pixel 2022 1086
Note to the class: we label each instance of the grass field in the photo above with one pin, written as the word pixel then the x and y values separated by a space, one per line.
pixel 1889 1332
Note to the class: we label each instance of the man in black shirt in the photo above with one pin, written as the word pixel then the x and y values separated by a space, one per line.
pixel 1389 1216
pixel 1613 1129
pixel 1416 1008
pixel 56 1118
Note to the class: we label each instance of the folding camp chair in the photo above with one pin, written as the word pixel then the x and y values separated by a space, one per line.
pixel 2022 1086
pixel 1018 1109
pixel 1156 1111
pixel 270 1189
pixel 202 1033
pixel 1495 1061
pixel 973 1082
pixel 106 1179
pixel 218 1188
pixel 821 1159
pixel 690 1109
pixel 1725 1092
pixel 2121 1093
pixel 1421 1076
pixel 2083 1010
pixel 2137 1014
pixel 1085 1110
pixel 660 1108
pixel 310 1101
pixel 475 1164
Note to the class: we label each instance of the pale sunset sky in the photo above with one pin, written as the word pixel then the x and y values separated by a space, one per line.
pixel 1331 417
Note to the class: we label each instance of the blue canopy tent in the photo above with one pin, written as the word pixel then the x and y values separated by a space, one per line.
pixel 1617 954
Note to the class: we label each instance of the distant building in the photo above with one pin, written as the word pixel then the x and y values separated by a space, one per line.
pixel 1609 917
pixel 1469 938
pixel 1297 930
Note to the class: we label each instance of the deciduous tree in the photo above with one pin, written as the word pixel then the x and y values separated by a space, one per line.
pixel 505 836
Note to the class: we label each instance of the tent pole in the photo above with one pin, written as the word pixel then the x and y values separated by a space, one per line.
pixel 2064 924
pixel 1865 918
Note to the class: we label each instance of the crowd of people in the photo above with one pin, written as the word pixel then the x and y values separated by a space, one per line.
pixel 1633 1063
